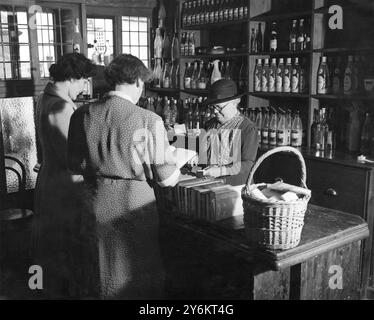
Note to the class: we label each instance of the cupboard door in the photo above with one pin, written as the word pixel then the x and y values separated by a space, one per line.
pixel 337 187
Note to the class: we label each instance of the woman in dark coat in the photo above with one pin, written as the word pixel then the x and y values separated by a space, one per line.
pixel 122 150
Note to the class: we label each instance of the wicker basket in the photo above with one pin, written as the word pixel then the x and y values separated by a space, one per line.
pixel 269 224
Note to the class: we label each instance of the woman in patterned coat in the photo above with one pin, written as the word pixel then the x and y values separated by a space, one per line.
pixel 122 150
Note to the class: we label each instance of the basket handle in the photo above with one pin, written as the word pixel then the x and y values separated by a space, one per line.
pixel 277 150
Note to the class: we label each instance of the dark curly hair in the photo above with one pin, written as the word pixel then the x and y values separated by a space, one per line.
pixel 126 68
pixel 72 66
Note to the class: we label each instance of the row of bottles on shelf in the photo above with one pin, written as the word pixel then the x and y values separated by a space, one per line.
pixel 200 12
pixel 166 74
pixel 277 127
pixel 188 44
pixel 200 75
pixel 298 39
pixel 323 133
pixel 197 114
pixel 336 75
pixel 164 48
pixel 280 78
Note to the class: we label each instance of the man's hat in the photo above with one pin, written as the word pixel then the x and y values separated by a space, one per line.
pixel 221 91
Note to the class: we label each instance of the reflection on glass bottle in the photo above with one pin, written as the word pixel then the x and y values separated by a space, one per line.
pixel 158 43
pixel 157 74
pixel 166 78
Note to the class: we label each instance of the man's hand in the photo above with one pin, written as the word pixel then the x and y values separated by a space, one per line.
pixel 213 172
pixel 194 161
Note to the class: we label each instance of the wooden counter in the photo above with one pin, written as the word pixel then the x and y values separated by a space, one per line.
pixel 214 261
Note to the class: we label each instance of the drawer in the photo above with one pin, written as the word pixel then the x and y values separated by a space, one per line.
pixel 337 187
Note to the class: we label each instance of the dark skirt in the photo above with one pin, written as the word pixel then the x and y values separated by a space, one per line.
pixel 127 229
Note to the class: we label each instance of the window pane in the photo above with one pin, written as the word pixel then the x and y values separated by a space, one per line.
pixel 5 35
pixel 90 37
pixel 44 19
pixel 23 35
pixel 134 51
pixel 24 53
pixel 41 53
pixel 99 24
pixel 21 18
pixel 4 17
pixel 125 38
pixel 51 36
pixel 108 24
pixel 6 53
pixel 8 71
pixel 90 23
pixel 143 39
pixel 45 35
pixel 125 49
pixel 1 55
pixel 109 36
pixel 143 26
pixel 39 35
pixel 143 53
pixel 51 54
pixel 125 24
pixel 2 75
pixel 25 70
pixel 134 24
pixel 134 39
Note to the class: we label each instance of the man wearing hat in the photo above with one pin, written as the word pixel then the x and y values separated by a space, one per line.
pixel 231 140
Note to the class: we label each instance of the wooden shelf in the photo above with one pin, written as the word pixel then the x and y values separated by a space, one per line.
pixel 271 16
pixel 345 50
pixel 343 97
pixel 279 95
pixel 281 53
pixel 215 25
pixel 196 92
pixel 213 56
pixel 162 90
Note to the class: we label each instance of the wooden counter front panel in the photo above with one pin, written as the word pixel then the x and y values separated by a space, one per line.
pixel 347 183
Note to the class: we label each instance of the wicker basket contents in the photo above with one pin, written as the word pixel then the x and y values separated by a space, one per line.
pixel 270 224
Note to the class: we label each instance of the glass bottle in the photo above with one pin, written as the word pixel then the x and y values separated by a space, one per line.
pixel 258 76
pixel 166 46
pixel 167 113
pixel 287 76
pixel 348 77
pixel 273 129
pixel 253 41
pixel 303 84
pixel 157 74
pixel 293 37
pixel 272 74
pixel 337 76
pixel 221 11
pixel 188 75
pixel 274 38
pixel 175 76
pixel 227 73
pixel 265 76
pixel 191 44
pixel 158 44
pixel 297 131
pixel 322 76
pixel 288 127
pixel 195 75
pixel 202 78
pixel 161 15
pixel 295 79
pixel 281 130
pixel 212 9
pixel 166 77
pixel 279 76
pixel 314 128
pixel 265 128
pixel 259 40
pixel 259 124
pixel 175 47
pixel 300 36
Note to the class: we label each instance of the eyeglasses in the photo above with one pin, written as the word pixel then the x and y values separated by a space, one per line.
pixel 214 107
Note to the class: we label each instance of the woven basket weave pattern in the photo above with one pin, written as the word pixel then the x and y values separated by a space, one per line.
pixel 274 225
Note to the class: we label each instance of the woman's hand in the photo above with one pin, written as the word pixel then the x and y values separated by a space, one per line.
pixel 213 172
pixel 194 161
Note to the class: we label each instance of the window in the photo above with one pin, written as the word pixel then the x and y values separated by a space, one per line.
pixel 15 59
pixel 101 31
pixel 135 37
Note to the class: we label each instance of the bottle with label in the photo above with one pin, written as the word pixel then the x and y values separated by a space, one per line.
pixel 175 47
pixel 258 76
pixel 245 9
pixel 188 75
pixel 195 75
pixel 191 44
pixel 288 127
pixel 295 79
pixel 348 77
pixel 202 80
pixel 293 37
pixel 221 11
pixel 236 5
pixel 272 74
pixel 287 76
pixel 265 128
pixel 274 38
pixel 157 74
pixel 158 44
pixel 216 11
pixel 166 78
pixel 313 129
pixel 216 73
pixel 253 41
pixel 279 76
pixel 273 129
pixel 303 84
pixel 297 131
pixel 337 76
pixel 366 135
pixel 175 76
pixel 322 130
pixel 259 39
pixel 258 123
pixel 322 76
pixel 281 130
pixel 300 36
pixel 242 4
pixel 184 13
pixel 265 76
pixel 183 43
pixel 212 8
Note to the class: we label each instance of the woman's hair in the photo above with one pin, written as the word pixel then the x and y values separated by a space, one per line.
pixel 72 66
pixel 126 68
